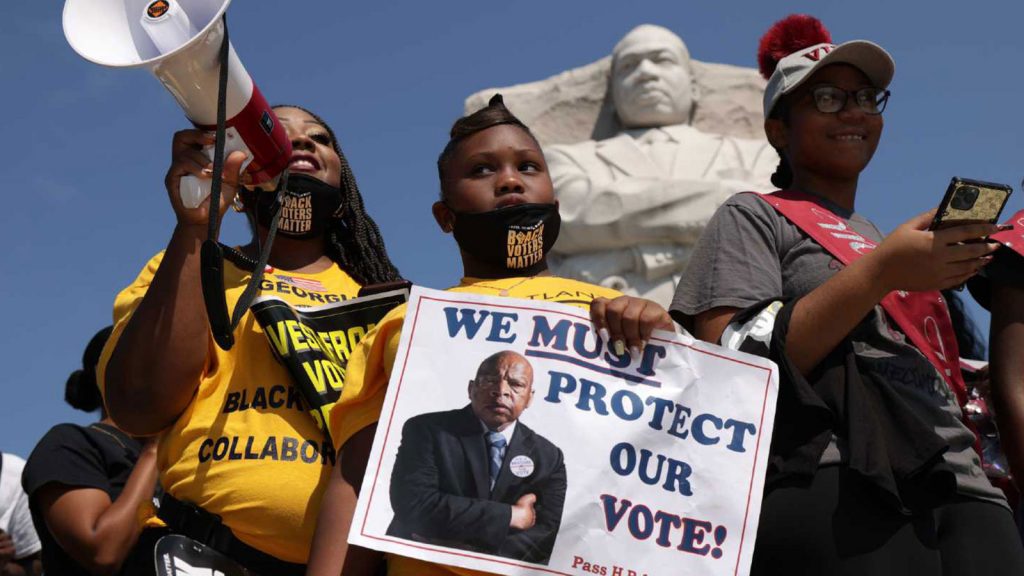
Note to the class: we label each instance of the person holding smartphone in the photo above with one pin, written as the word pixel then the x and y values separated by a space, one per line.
pixel 871 470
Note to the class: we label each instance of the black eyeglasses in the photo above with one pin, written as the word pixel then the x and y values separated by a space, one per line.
pixel 832 99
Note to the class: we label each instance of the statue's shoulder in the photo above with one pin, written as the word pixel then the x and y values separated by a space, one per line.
pixel 575 157
pixel 575 149
pixel 687 134
pixel 750 143
pixel 752 147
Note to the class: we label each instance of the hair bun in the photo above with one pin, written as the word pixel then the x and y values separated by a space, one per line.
pixel 81 391
pixel 791 34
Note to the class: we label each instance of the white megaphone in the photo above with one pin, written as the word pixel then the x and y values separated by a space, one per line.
pixel 179 42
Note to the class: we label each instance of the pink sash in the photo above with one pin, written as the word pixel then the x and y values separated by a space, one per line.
pixel 922 316
pixel 1013 239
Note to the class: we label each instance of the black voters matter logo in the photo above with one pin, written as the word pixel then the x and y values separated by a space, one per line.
pixel 525 247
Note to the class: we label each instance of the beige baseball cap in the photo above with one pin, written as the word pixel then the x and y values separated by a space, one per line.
pixel 795 69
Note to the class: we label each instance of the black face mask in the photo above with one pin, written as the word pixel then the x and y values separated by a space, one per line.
pixel 307 207
pixel 515 238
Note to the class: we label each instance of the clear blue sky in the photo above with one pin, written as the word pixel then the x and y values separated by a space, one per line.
pixel 85 148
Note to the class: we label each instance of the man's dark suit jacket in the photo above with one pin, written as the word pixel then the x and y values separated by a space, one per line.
pixel 440 488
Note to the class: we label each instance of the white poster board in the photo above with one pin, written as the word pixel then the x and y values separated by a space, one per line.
pixel 653 465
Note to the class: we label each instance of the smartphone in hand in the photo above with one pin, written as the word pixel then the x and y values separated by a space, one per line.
pixel 970 202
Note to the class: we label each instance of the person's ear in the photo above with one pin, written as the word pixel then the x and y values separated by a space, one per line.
pixel 529 399
pixel 776 132
pixel 469 389
pixel 444 216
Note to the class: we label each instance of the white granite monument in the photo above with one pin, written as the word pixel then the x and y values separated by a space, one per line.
pixel 643 147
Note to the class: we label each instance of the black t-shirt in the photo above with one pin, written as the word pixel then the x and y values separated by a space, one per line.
pixel 95 456
pixel 1006 268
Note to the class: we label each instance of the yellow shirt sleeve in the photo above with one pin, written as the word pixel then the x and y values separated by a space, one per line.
pixel 124 306
pixel 366 378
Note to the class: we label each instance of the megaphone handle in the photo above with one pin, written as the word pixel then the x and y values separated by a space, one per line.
pixel 193 190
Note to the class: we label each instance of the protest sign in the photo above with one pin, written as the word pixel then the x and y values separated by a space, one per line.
pixel 615 465
pixel 315 343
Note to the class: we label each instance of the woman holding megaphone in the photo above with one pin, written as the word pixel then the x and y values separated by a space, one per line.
pixel 241 461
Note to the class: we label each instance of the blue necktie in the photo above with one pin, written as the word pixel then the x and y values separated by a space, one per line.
pixel 496 450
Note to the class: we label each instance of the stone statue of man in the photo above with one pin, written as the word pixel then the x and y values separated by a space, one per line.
pixel 633 205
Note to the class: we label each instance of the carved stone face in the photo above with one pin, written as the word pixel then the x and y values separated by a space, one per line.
pixel 652 84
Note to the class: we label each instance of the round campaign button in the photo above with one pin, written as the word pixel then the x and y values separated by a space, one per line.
pixel 521 466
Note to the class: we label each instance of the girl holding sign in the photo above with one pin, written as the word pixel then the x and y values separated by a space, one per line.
pixel 240 459
pixel 494 180
pixel 872 469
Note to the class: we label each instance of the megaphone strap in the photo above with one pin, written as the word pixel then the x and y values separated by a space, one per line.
pixel 212 252
pixel 212 275
pixel 251 289
pixel 213 228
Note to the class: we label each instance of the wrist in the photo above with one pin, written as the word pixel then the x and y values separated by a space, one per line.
pixel 875 275
pixel 191 231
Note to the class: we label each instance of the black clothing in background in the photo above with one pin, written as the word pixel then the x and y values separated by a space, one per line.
pixel 837 526
pixel 95 456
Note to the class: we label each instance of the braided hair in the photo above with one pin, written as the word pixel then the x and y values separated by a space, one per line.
pixel 354 241
pixel 494 114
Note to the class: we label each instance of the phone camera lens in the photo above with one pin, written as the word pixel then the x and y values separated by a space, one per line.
pixel 965 198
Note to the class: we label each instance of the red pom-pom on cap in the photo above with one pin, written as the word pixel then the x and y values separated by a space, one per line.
pixel 791 34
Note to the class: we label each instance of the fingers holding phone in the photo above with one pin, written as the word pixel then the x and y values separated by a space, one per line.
pixel 914 258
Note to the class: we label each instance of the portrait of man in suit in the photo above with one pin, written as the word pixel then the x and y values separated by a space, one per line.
pixel 477 478
pixel 634 204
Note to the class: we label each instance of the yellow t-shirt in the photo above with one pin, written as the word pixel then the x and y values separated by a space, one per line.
pixel 369 370
pixel 246 449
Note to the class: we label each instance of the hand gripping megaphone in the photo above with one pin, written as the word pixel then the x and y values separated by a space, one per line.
pixel 178 41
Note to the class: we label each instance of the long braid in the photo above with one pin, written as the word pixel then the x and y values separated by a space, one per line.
pixel 354 241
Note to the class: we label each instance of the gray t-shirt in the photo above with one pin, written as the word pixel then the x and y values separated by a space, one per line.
pixel 749 253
